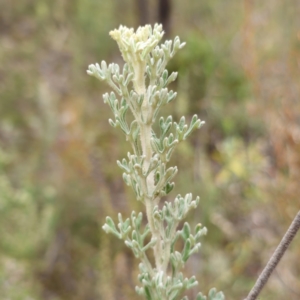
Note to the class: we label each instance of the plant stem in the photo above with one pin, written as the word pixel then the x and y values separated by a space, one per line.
pixel 155 233
pixel 275 259
pixel 145 138
pixel 150 202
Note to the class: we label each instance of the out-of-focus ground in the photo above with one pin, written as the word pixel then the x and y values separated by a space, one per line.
pixel 240 72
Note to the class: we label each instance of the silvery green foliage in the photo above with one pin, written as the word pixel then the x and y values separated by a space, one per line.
pixel 141 87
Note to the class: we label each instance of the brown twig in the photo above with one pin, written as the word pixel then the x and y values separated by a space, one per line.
pixel 275 259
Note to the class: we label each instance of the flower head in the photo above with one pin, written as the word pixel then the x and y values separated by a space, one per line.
pixel 136 45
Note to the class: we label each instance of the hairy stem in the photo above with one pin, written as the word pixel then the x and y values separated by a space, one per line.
pixel 145 137
pixel 155 233
pixel 275 259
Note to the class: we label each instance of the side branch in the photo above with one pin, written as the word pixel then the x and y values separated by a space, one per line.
pixel 275 259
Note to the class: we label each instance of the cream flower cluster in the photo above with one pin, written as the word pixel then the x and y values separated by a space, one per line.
pixel 136 45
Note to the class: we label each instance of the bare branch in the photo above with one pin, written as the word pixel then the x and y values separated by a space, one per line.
pixel 275 259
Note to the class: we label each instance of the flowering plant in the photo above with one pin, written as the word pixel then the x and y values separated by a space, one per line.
pixel 141 87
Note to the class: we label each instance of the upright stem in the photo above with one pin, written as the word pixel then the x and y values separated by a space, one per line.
pixel 157 249
pixel 145 138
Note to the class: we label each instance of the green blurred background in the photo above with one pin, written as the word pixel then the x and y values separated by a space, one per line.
pixel 240 72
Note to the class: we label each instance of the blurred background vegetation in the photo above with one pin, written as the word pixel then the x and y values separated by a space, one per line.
pixel 240 72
